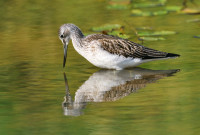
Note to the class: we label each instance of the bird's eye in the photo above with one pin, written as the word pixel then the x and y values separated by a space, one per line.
pixel 62 36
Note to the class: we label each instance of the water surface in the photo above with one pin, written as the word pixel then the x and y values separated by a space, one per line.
pixel 33 86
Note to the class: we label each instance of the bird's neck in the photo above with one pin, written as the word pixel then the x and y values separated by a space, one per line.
pixel 76 36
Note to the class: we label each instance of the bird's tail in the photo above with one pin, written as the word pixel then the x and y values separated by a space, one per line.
pixel 172 55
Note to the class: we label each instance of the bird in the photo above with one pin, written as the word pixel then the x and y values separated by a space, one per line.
pixel 107 51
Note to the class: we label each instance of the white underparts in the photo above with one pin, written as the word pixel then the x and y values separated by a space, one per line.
pixel 103 59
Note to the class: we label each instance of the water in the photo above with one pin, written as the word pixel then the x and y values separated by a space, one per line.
pixel 37 94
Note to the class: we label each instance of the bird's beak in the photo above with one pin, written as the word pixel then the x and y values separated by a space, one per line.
pixel 65 44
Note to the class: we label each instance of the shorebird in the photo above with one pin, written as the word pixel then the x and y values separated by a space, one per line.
pixel 106 51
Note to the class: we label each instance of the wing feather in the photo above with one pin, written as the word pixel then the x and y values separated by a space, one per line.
pixel 126 48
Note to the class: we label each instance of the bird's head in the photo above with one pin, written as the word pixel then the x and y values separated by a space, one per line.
pixel 64 33
pixel 67 32
pixel 64 36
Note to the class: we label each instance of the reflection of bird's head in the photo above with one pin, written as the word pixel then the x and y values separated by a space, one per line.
pixel 71 111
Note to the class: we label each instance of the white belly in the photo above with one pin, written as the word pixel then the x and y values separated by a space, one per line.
pixel 103 59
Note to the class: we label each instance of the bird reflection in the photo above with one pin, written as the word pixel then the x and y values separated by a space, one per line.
pixel 110 85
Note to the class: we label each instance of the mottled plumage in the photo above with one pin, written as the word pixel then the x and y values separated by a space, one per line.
pixel 107 51
pixel 123 47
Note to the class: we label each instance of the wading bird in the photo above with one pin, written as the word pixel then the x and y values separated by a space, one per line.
pixel 107 51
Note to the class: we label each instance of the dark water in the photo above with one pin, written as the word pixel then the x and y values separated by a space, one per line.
pixel 38 96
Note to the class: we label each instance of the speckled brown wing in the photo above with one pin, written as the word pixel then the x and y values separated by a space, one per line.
pixel 127 48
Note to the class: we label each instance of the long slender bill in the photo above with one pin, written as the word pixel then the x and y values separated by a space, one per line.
pixel 65 54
